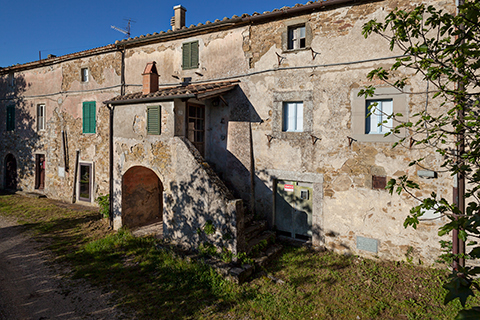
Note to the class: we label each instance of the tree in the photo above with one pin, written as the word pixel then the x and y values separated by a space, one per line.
pixel 445 49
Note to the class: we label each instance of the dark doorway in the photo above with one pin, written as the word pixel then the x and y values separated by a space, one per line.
pixel 85 182
pixel 10 172
pixel 196 126
pixel 142 197
pixel 39 171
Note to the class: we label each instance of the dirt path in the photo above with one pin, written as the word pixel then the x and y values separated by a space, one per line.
pixel 32 288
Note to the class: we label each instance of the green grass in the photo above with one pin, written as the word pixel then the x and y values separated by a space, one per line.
pixel 152 280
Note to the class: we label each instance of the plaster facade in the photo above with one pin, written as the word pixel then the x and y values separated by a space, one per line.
pixel 245 141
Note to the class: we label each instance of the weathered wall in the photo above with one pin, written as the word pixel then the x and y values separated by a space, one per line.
pixel 248 132
pixel 220 55
pixel 350 206
pixel 60 89
pixel 191 197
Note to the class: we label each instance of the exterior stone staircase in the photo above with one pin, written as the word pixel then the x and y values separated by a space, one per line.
pixel 261 243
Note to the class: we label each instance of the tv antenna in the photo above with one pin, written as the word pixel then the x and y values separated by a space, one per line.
pixel 126 32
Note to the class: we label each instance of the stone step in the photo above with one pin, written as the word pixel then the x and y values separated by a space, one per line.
pixel 154 229
pixel 260 243
pixel 254 229
pixel 249 217
pixel 271 253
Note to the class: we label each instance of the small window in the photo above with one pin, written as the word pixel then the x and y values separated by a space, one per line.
pixel 85 182
pixel 10 118
pixel 11 79
pixel 89 117
pixel 84 74
pixel 190 55
pixel 379 111
pixel 153 120
pixel 296 37
pixel 293 116
pixel 40 117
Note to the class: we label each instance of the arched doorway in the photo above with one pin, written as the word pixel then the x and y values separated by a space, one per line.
pixel 142 197
pixel 10 172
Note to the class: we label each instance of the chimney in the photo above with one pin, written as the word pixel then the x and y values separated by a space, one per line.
pixel 150 78
pixel 178 21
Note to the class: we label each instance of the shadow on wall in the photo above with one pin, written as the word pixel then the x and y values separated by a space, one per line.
pixel 18 133
pixel 231 152
pixel 197 213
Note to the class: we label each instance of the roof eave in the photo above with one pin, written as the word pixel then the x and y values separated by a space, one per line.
pixel 232 23
pixel 150 99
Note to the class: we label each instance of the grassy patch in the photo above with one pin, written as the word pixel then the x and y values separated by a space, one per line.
pixel 152 280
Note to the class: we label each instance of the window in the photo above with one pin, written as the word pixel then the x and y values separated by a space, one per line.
pixel 379 111
pixel 85 182
pixel 153 120
pixel 296 37
pixel 190 55
pixel 11 79
pixel 10 118
pixel 292 117
pixel 84 73
pixel 292 114
pixel 89 120
pixel 389 100
pixel 40 117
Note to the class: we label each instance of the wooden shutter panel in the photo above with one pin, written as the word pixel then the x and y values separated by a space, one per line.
pixel 153 120
pixel 89 113
pixel 186 55
pixel 190 55
pixel 194 54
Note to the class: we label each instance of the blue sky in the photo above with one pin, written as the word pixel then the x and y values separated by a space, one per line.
pixel 64 26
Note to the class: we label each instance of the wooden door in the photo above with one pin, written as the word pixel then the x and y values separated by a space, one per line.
pixel 196 126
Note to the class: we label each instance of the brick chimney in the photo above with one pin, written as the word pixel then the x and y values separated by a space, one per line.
pixel 150 78
pixel 178 21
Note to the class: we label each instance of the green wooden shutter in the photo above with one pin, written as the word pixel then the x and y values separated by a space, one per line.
pixel 194 54
pixel 186 57
pixel 89 117
pixel 190 55
pixel 10 118
pixel 153 120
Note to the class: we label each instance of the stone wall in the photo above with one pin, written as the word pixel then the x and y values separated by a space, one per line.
pixel 193 197
pixel 59 87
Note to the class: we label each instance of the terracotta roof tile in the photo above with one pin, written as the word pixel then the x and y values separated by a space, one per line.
pixel 197 90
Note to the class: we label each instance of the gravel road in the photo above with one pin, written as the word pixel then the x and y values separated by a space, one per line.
pixel 32 288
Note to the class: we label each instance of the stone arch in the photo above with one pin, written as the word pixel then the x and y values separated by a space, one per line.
pixel 142 197
pixel 10 172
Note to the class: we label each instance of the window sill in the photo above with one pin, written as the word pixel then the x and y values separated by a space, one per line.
pixel 375 138
pixel 298 135
pixel 295 50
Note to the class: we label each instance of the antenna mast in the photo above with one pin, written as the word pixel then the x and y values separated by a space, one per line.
pixel 126 32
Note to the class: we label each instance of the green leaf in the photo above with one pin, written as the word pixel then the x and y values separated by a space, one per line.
pixel 470 314
pixel 458 288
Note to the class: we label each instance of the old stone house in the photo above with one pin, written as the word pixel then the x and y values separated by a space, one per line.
pixel 207 124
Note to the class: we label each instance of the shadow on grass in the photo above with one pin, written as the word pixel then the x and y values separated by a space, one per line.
pixel 153 280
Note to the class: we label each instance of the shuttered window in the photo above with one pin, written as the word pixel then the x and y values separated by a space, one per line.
pixel 153 120
pixel 190 55
pixel 10 118
pixel 89 119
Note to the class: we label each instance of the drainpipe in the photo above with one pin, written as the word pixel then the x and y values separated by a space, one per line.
pixel 458 245
pixel 122 72
pixel 112 110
